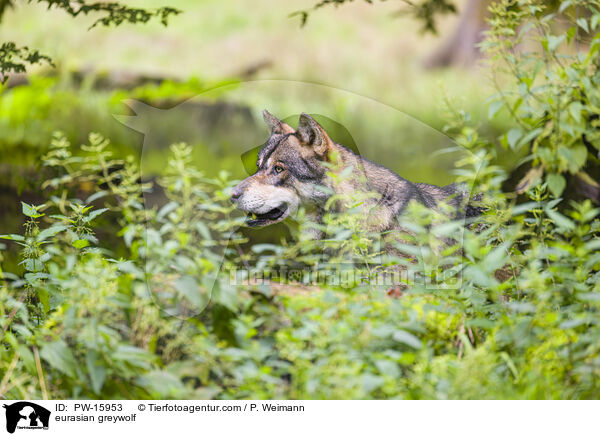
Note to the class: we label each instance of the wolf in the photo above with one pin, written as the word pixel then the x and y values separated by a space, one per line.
pixel 297 167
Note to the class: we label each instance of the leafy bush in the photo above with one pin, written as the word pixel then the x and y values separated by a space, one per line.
pixel 549 86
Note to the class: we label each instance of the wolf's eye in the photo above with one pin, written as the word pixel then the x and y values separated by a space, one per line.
pixel 277 169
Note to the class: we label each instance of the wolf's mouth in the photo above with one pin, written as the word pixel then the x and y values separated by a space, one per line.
pixel 271 217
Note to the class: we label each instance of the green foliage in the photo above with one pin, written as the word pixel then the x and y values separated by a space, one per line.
pixel 15 59
pixel 505 306
pixel 114 13
pixel 424 11
pixel 550 90
pixel 148 326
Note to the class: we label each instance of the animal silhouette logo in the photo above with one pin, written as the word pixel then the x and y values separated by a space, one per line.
pixel 26 415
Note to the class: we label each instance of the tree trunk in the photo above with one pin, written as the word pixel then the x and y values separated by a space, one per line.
pixel 461 48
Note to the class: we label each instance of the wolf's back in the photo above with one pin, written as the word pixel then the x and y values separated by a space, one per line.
pixel 463 200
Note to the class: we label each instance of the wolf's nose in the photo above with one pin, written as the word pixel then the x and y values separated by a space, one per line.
pixel 235 194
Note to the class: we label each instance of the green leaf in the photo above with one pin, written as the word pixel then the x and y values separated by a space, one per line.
pixel 204 231
pixel 564 5
pixel 555 41
pixel 51 231
pixel 513 136
pixel 578 158
pixel 582 22
pixel 524 207
pixel 96 370
pixel 575 110
pixel 30 211
pixel 32 278
pixel 190 289
pixel 560 220
pixel 387 367
pixel 161 384
pixel 134 356
pixel 479 275
pixel 496 258
pixel 572 323
pixel 571 32
pixel 371 382
pixel 521 307
pixel 595 20
pixel 407 338
pixel 59 356
pixel 167 209
pixel 129 267
pixel 593 245
pixel 346 172
pixel 96 196
pixel 483 323
pixel 26 356
pixel 13 237
pixel 227 296
pixel 95 213
pixel 33 265
pixel 556 184
pixel 493 108
pixel 531 135
pixel 510 364
pixel 44 297
pixel 81 243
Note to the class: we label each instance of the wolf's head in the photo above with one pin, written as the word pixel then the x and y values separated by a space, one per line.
pixel 290 172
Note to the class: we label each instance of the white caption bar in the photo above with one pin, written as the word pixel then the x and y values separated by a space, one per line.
pixel 304 418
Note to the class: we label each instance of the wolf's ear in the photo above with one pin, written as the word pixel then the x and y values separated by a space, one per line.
pixel 311 133
pixel 276 125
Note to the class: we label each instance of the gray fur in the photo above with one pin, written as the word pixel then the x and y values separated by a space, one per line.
pixel 292 172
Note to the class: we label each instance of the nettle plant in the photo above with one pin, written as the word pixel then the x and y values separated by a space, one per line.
pixel 82 321
pixel 546 64
pixel 90 314
pixel 37 250
pixel 85 305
